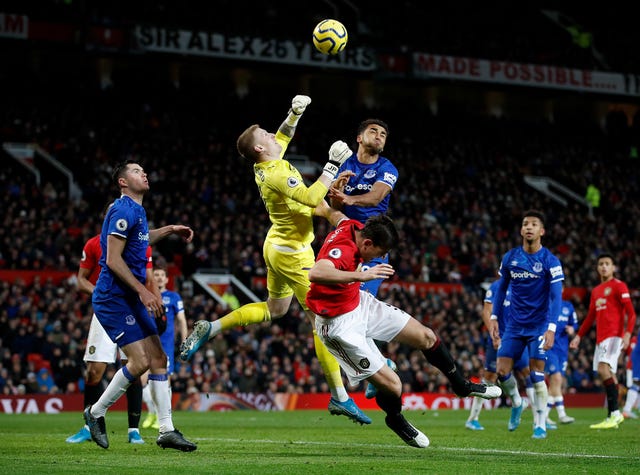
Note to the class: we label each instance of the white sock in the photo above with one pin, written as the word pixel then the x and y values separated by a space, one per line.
pixel 214 328
pixel 146 397
pixel 540 404
pixel 161 395
pixel 117 387
pixel 340 394
pixel 632 397
pixel 531 393
pixel 476 407
pixel 560 406
pixel 510 386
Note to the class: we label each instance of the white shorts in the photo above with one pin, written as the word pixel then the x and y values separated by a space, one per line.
pixel 350 336
pixel 100 348
pixel 608 351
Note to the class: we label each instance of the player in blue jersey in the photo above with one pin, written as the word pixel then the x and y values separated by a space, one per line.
pixel 535 276
pixel 367 191
pixel 633 379
pixel 491 354
pixel 126 306
pixel 176 323
pixel 556 365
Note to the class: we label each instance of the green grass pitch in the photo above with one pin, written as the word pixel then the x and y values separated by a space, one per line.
pixel 314 442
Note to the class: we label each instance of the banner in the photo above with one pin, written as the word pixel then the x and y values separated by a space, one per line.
pixel 216 45
pixel 428 66
pixel 14 26
pixel 204 402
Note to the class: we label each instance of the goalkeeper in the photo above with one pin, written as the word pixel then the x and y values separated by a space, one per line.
pixel 287 248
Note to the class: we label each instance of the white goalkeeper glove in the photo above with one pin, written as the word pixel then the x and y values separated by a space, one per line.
pixel 298 105
pixel 338 153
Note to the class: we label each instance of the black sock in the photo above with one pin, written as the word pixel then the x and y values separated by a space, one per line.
pixel 389 403
pixel 134 403
pixel 92 393
pixel 611 387
pixel 439 356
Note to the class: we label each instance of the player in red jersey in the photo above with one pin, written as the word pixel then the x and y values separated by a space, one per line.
pixel 101 351
pixel 348 319
pixel 609 305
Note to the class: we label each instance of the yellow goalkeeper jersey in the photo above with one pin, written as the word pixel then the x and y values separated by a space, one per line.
pixel 289 202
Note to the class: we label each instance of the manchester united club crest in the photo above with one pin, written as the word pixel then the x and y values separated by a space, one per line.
pixel 364 363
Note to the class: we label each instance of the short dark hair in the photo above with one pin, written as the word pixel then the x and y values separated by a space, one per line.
pixel 366 123
pixel 605 255
pixel 120 169
pixel 534 213
pixel 382 231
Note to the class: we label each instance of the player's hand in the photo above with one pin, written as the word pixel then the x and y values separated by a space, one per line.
pixel 549 340
pixel 299 104
pixel 185 231
pixel 339 152
pixel 341 181
pixel 381 271
pixel 152 302
pixel 575 341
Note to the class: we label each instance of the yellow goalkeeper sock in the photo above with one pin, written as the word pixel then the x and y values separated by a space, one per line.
pixel 241 317
pixel 331 370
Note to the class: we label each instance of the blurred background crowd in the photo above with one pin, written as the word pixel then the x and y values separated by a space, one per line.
pixel 458 201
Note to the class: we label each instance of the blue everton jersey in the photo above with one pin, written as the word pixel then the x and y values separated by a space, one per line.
pixel 488 298
pixel 128 220
pixel 365 177
pixel 530 277
pixel 173 305
pixel 567 318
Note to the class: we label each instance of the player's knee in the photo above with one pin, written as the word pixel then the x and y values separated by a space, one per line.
pixel 94 374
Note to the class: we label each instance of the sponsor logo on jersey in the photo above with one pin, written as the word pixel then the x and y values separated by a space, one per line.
pixel 121 224
pixel 360 187
pixel 556 271
pixel 84 256
pixel 143 236
pixel 524 275
pixel 292 181
pixel 390 178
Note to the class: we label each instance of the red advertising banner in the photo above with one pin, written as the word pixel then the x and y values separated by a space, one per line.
pixel 53 404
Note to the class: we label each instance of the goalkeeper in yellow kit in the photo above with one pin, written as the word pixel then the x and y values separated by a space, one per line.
pixel 287 248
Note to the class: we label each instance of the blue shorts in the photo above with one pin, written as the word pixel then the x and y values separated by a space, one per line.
pixel 513 346
pixel 556 362
pixel 373 286
pixel 491 356
pixel 125 320
pixel 635 362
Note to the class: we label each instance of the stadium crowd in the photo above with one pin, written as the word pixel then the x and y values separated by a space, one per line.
pixel 457 204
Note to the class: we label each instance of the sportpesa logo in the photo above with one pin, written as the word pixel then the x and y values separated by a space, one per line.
pixel 524 275
pixel 359 186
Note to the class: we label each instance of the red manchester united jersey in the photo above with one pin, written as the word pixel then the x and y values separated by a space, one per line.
pixel 340 248
pixel 610 301
pixel 91 253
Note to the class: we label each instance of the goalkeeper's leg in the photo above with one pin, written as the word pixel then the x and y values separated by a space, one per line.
pixel 241 317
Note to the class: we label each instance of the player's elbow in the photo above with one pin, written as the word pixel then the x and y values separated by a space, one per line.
pixel 314 274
